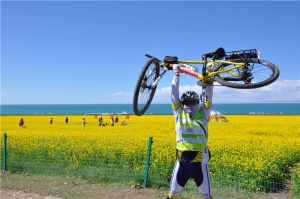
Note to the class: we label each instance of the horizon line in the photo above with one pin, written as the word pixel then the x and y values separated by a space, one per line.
pixel 296 102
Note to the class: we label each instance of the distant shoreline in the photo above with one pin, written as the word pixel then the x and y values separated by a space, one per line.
pixel 158 103
pixel 154 109
pixel 266 114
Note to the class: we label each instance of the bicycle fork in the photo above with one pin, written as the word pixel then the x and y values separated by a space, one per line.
pixel 159 77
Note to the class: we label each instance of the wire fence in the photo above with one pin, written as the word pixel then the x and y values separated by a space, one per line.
pixel 245 168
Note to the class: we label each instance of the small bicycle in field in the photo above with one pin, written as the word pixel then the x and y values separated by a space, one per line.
pixel 241 69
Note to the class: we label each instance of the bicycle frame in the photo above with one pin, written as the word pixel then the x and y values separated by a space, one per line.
pixel 204 78
pixel 209 74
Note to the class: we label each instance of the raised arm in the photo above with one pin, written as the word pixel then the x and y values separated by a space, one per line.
pixel 207 105
pixel 175 88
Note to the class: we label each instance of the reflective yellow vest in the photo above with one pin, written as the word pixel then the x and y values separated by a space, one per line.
pixel 190 135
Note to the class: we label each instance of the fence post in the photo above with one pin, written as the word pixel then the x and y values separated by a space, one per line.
pixel 147 162
pixel 4 151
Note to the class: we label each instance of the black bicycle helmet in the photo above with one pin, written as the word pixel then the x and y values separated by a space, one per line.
pixel 190 98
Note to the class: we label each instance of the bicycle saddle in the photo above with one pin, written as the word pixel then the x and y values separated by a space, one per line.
pixel 217 54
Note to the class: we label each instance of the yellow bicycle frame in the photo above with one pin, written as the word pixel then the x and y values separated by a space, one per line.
pixel 209 74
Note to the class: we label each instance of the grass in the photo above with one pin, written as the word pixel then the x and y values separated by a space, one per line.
pixel 78 188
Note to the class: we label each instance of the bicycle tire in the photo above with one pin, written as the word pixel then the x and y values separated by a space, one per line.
pixel 230 81
pixel 140 107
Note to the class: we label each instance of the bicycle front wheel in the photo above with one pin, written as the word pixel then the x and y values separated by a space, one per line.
pixel 144 91
pixel 256 73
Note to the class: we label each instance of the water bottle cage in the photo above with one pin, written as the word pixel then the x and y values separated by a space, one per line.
pixel 203 96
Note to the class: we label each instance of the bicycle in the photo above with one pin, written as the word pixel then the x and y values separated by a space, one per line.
pixel 242 69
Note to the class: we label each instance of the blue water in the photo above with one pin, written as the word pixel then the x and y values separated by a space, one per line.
pixel 277 108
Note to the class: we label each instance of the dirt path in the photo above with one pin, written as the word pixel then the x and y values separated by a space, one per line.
pixel 49 187
pixel 8 194
pixel 18 186
pixel 107 194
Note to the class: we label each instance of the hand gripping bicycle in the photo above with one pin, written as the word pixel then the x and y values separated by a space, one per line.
pixel 241 69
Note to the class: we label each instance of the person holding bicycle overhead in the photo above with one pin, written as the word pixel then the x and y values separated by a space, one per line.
pixel 242 69
pixel 191 125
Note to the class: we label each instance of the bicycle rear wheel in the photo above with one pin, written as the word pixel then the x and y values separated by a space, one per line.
pixel 257 73
pixel 144 91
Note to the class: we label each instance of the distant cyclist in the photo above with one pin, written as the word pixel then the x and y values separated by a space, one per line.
pixel 192 154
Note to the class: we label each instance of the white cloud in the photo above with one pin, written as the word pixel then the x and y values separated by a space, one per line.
pixel 162 92
pixel 118 94
pixel 287 85
pixel 279 91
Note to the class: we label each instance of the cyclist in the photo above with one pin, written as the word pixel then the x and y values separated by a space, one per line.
pixel 192 154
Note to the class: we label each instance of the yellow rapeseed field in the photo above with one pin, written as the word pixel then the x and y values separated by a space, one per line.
pixel 255 151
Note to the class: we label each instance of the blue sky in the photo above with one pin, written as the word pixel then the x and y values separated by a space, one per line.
pixel 92 52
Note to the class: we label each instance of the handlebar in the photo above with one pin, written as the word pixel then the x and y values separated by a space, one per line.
pixel 150 56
